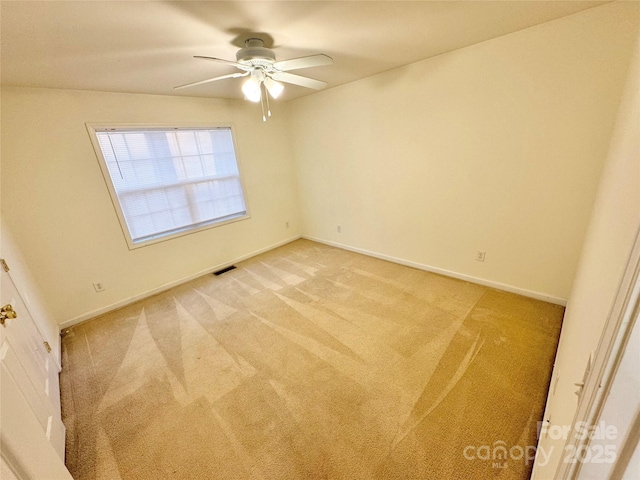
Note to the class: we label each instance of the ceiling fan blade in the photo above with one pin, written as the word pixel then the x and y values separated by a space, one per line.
pixel 319 60
pixel 214 79
pixel 228 62
pixel 299 80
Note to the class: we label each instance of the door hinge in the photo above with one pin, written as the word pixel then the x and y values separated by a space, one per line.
pixel 47 347
pixel 4 265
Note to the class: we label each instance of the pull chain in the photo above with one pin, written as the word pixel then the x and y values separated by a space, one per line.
pixel 263 93
pixel 266 94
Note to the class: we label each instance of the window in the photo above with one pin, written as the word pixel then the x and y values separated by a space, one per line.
pixel 167 182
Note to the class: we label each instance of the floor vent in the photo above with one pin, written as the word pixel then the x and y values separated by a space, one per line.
pixel 224 270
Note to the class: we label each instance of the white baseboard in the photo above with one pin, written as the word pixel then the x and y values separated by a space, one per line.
pixel 468 278
pixel 167 286
pixel 461 276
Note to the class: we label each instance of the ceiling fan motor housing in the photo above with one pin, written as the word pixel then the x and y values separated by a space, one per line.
pixel 254 53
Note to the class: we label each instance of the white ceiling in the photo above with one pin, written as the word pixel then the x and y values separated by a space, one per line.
pixel 147 46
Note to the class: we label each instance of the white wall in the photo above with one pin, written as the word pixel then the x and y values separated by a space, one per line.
pixel 55 201
pixel 496 147
pixel 608 243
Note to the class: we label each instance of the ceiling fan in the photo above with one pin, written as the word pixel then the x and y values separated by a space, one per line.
pixel 265 74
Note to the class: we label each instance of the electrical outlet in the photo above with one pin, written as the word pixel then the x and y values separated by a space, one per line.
pixel 99 286
pixel 339 228
pixel 480 255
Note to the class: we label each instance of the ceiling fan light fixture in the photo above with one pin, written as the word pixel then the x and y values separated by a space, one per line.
pixel 251 89
pixel 275 88
pixel 265 73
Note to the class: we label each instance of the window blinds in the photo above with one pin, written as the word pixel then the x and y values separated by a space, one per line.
pixel 172 180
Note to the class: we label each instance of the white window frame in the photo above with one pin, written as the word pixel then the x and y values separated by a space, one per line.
pixel 92 128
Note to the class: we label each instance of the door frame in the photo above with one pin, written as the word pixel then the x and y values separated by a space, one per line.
pixel 608 355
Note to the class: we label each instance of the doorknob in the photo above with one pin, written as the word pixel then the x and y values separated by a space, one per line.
pixel 7 312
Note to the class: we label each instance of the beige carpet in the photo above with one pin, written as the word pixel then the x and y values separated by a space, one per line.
pixel 310 362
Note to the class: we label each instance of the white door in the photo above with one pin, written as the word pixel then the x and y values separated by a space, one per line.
pixel 31 429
